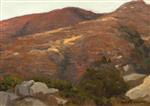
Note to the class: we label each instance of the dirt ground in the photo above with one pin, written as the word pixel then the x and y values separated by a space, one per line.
pixel 134 104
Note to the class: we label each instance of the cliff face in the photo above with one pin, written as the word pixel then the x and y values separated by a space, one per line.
pixel 122 36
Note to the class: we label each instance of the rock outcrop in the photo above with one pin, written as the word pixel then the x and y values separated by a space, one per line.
pixel 31 88
pixel 141 92
pixel 31 93
pixel 24 88
pixel 6 98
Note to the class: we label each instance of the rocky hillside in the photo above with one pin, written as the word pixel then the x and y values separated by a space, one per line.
pixel 121 36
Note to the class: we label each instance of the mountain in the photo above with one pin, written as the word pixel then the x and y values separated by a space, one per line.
pixel 35 23
pixel 66 52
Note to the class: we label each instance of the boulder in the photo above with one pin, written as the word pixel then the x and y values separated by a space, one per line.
pixel 141 92
pixel 53 90
pixel 128 68
pixel 39 87
pixel 29 101
pixel 61 101
pixel 6 98
pixel 31 88
pixel 133 77
pixel 23 89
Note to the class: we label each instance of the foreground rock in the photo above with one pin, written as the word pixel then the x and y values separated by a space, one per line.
pixel 61 101
pixel 29 102
pixel 6 98
pixel 30 88
pixel 133 77
pixel 24 88
pixel 39 87
pixel 31 93
pixel 141 92
pixel 40 91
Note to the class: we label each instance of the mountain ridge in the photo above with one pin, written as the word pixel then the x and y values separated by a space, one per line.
pixel 34 23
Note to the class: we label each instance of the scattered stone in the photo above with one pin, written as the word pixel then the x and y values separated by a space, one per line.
pixel 119 57
pixel 118 66
pixel 16 53
pixel 61 101
pixel 128 68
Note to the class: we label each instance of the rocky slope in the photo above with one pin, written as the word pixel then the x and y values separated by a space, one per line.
pixel 66 52
pixel 140 92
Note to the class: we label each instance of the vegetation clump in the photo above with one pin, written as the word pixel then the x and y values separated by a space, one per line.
pixel 9 82
pixel 141 51
pixel 102 82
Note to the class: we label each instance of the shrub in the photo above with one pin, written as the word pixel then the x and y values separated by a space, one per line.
pixel 102 83
pixel 141 50
pixel 132 35
pixel 9 82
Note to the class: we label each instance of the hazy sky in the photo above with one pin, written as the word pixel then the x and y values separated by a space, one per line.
pixel 13 8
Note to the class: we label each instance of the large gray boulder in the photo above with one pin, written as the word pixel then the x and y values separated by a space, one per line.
pixel 61 101
pixel 6 98
pixel 39 87
pixel 23 89
pixel 141 92
pixel 128 69
pixel 31 88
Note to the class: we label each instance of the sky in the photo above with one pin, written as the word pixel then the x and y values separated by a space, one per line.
pixel 13 8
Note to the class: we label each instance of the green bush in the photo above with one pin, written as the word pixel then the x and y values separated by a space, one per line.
pixel 9 82
pixel 141 51
pixel 132 35
pixel 102 83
